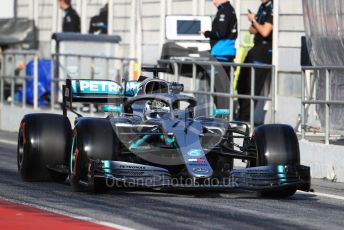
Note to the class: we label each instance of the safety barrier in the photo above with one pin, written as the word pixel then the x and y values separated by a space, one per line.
pixel 232 95
pixel 307 98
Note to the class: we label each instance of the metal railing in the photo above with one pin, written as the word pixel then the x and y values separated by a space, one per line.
pixel 13 62
pixel 306 102
pixel 119 65
pixel 232 95
pixel 9 79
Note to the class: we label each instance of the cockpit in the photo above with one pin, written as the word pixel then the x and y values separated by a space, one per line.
pixel 161 106
pixel 155 109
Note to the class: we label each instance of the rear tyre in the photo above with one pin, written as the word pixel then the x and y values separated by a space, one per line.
pixel 276 145
pixel 92 139
pixel 43 141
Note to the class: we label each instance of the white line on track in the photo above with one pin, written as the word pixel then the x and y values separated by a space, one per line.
pixel 324 195
pixel 8 142
pixel 63 213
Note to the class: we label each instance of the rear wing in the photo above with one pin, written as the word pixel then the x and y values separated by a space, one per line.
pixel 91 91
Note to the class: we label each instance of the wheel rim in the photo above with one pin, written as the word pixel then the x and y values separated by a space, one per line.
pixel 72 157
pixel 20 148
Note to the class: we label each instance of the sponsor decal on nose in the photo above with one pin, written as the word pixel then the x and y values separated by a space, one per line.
pixel 195 153
pixel 199 160
pixel 201 170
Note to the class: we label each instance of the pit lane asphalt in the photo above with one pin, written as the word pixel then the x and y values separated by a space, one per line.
pixel 171 210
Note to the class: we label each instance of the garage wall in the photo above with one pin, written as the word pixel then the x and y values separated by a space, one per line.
pixel 291 27
pixel 23 8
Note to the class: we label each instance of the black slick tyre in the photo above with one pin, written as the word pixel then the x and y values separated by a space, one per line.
pixel 43 143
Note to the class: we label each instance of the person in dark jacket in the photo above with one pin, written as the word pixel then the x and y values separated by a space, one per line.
pixel 71 20
pixel 99 23
pixel 222 40
pixel 261 53
pixel 224 32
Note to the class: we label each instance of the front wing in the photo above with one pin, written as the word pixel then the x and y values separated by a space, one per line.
pixel 256 178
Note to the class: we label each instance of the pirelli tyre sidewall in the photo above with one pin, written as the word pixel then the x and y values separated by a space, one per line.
pixel 276 145
pixel 43 141
pixel 93 138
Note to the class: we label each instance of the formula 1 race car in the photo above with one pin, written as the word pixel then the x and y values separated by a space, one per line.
pixel 151 138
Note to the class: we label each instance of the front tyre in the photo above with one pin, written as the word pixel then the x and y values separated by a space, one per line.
pixel 92 139
pixel 276 145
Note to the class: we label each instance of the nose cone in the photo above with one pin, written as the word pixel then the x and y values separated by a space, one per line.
pixel 187 135
pixel 199 167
